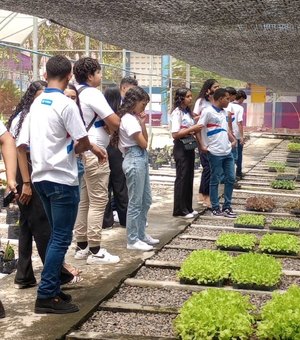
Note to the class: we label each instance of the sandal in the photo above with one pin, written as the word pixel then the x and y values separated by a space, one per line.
pixel 73 270
pixel 76 279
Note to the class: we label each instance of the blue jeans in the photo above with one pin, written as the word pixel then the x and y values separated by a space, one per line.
pixel 225 165
pixel 60 202
pixel 239 159
pixel 136 169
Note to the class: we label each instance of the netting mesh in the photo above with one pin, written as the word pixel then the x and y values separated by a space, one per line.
pixel 255 40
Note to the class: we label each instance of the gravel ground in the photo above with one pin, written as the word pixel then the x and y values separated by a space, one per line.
pixel 238 205
pixel 198 244
pixel 215 221
pixel 151 296
pixel 176 255
pixel 207 232
pixel 143 324
pixel 290 264
pixel 286 281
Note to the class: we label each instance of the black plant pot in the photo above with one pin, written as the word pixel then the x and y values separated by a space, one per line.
pixel 155 166
pixel 13 232
pixel 7 267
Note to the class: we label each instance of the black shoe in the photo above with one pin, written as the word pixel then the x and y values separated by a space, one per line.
pixel 2 311
pixel 65 297
pixel 25 285
pixel 54 305
pixel 229 213
pixel 217 213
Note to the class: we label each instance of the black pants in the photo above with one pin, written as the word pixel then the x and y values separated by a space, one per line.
pixel 33 224
pixel 205 176
pixel 183 189
pixel 117 186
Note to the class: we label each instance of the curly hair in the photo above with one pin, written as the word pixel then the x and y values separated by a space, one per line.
pixel 207 85
pixel 85 67
pixel 23 106
pixel 132 97
pixel 179 97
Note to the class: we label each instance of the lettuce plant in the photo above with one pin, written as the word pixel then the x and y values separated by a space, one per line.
pixel 294 147
pixel 281 316
pixel 232 240
pixel 256 269
pixel 279 243
pixel 215 314
pixel 250 220
pixel 206 267
pixel 278 166
pixel 283 184
pixel 285 223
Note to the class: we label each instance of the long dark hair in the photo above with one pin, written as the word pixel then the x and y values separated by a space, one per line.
pixel 113 97
pixel 24 105
pixel 72 87
pixel 208 84
pixel 179 97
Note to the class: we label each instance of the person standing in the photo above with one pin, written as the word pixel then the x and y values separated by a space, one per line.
pixel 54 137
pixel 203 101
pixel 100 121
pixel 9 154
pixel 183 125
pixel 219 145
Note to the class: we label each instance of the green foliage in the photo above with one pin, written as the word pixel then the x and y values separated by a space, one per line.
pixel 285 223
pixel 256 269
pixel 278 166
pixel 294 147
pixel 260 203
pixel 251 220
pixel 9 253
pixel 281 316
pixel 215 314
pixel 206 266
pixel 9 97
pixel 232 240
pixel 279 243
pixel 283 184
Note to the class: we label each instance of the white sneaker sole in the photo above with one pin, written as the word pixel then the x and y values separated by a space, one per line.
pixel 100 261
pixel 130 247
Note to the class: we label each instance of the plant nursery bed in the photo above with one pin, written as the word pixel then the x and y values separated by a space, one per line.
pixel 254 287
pixel 284 229
pixel 285 177
pixel 245 226
pixel 216 284
pixel 278 252
pixel 233 248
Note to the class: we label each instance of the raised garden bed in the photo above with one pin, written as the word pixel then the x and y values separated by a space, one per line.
pixel 286 224
pixel 282 244
pixel 236 242
pixel 250 221
pixel 276 166
pixel 255 271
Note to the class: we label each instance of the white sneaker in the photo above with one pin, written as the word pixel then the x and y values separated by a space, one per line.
pixel 102 257
pixel 116 216
pixel 195 212
pixel 190 215
pixel 139 245
pixel 150 240
pixel 81 254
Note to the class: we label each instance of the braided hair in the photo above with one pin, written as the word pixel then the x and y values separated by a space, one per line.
pixel 24 105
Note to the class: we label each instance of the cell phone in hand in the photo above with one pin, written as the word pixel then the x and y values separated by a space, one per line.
pixel 8 198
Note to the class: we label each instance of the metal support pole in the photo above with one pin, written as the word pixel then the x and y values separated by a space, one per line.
pixel 35 58
pixel 188 76
pixel 171 85
pixel 150 95
pixel 87 46
pixel 273 111
pixel 124 62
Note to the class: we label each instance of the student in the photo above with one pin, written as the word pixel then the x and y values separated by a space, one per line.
pixel 54 138
pixel 203 101
pixel 183 125
pixel 219 144
pixel 100 121
pixel 10 160
pixel 238 130
pixel 126 84
pixel 133 142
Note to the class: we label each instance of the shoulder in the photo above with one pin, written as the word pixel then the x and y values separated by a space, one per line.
pixel 176 112
pixel 2 128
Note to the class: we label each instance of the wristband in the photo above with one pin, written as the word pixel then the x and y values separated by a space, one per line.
pixel 26 182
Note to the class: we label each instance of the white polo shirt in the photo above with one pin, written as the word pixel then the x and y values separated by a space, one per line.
pixel 180 120
pixel 200 105
pixel 129 125
pixel 238 113
pixel 215 127
pixel 2 129
pixel 93 101
pixel 50 128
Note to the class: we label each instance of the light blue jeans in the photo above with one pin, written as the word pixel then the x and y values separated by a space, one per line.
pixel 136 169
pixel 218 165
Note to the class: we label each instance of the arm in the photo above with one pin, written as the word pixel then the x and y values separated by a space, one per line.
pixel 23 166
pixel 10 159
pixel 83 144
pixel 141 137
pixel 186 131
pixel 241 131
pixel 230 129
pixel 112 122
pixel 232 139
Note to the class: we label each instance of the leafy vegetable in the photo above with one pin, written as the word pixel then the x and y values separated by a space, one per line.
pixel 206 266
pixel 215 314
pixel 9 253
pixel 278 166
pixel 279 243
pixel 251 219
pixel 283 184
pixel 280 316
pixel 260 203
pixel 285 223
pixel 294 147
pixel 232 240
pixel 258 269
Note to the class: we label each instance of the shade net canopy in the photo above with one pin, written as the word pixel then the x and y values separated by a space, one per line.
pixel 255 40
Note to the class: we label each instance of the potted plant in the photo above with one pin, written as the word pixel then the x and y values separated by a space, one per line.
pixel 236 242
pixel 294 207
pixel 280 316
pixel 7 260
pixel 260 203
pixel 205 267
pixel 283 184
pixel 286 224
pixel 255 271
pixel 283 244
pixel 294 147
pixel 250 221
pixel 215 314
pixel 276 166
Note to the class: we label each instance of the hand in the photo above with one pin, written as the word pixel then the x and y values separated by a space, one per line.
pixel 26 194
pixel 234 144
pixel 100 153
pixel 204 149
pixel 242 141
pixel 142 117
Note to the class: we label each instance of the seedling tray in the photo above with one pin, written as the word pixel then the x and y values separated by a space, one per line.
pixel 284 229
pixel 280 252
pixel 286 177
pixel 234 248
pixel 259 210
pixel 219 283
pixel 271 169
pixel 296 212
pixel 249 226
pixel 253 286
